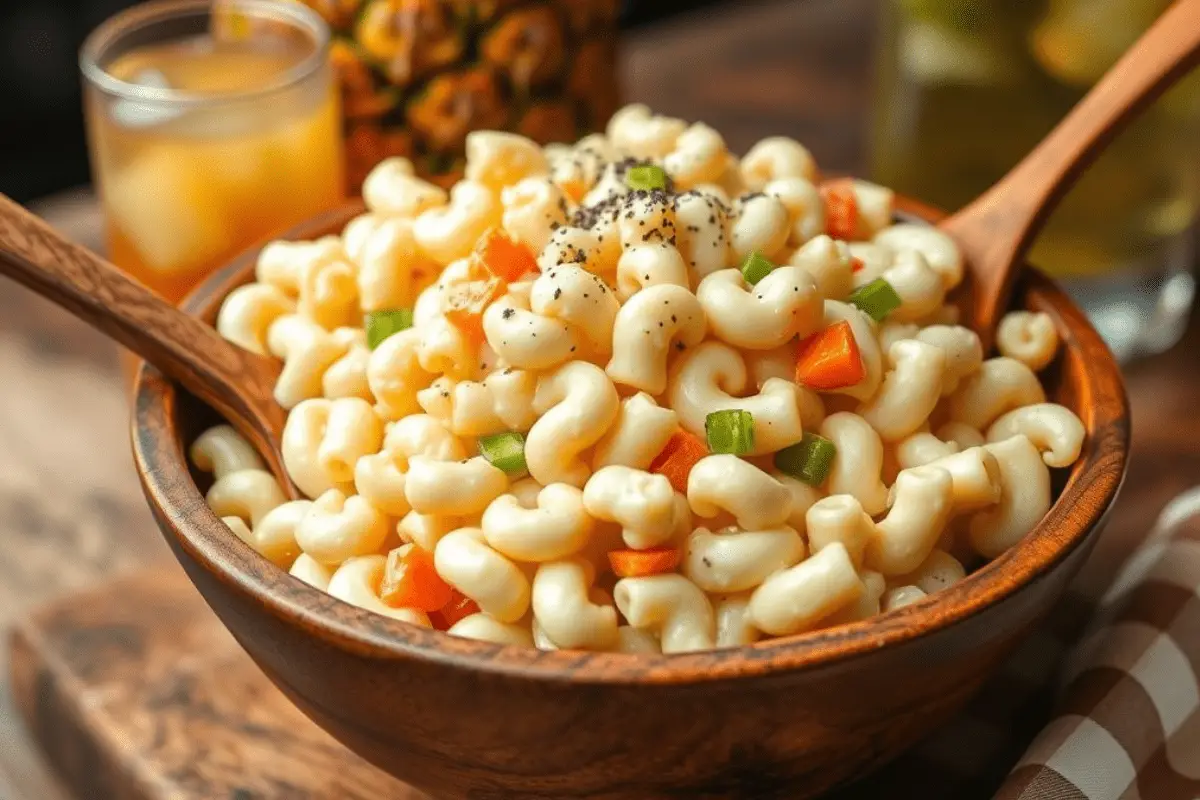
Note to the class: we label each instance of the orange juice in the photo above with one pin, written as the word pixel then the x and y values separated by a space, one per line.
pixel 203 145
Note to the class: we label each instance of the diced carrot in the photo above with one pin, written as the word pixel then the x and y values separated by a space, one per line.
pixel 856 264
pixel 465 303
pixel 830 359
pixel 505 258
pixel 411 581
pixel 841 208
pixel 460 607
pixel 575 189
pixel 637 563
pixel 676 460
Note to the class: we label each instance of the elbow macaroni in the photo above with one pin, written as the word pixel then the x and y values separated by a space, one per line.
pixel 727 483
pixel 702 381
pixel 670 607
pixel 910 390
pixel 307 351
pixel 735 561
pixel 357 581
pixel 221 450
pixel 643 504
pixel 554 526
pixel 248 313
pixel 565 613
pixel 583 352
pixel 830 264
pixel 782 306
pixel 798 598
pixel 776 158
pixel 734 626
pixel 577 404
pixel 999 385
pixel 646 328
pixel 645 265
pixel 465 560
pixel 1024 497
pixel 533 209
pixel 1053 429
pixel 1029 337
pixel 924 500
pixel 702 233
pixel 760 224
pixel 858 465
pixel 639 433
pixel 806 209
pixel 393 189
pixel 448 233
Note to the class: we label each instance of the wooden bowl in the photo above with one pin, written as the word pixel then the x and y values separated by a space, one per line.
pixel 787 718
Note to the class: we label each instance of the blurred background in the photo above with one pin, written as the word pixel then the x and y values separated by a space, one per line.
pixel 42 145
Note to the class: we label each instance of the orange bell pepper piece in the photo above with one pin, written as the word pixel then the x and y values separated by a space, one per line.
pixel 411 581
pixel 676 460
pixel 460 607
pixel 830 359
pixel 505 258
pixel 636 563
pixel 841 208
pixel 465 303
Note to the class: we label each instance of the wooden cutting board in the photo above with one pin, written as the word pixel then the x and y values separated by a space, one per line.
pixel 136 692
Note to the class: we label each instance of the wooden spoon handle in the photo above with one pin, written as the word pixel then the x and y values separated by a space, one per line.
pixel 221 374
pixel 997 228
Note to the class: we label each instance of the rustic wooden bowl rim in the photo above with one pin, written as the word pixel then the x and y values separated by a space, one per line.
pixel 1076 513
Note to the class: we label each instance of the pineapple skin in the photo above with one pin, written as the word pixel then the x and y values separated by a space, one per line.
pixel 417 75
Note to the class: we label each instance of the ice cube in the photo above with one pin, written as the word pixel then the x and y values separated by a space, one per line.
pixel 170 209
pixel 134 113
pixel 151 78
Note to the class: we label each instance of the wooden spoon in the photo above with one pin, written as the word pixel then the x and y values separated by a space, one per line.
pixel 235 382
pixel 997 228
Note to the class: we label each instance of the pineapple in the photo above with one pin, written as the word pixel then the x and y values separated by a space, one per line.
pixel 418 75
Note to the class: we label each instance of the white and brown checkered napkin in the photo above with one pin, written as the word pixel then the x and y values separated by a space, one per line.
pixel 1102 703
pixel 1127 724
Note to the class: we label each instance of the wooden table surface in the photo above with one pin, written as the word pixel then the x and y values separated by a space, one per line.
pixel 71 512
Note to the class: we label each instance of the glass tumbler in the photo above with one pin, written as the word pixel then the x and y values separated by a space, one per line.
pixel 966 87
pixel 211 126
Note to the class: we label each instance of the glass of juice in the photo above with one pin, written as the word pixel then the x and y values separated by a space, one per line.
pixel 211 125
pixel 965 88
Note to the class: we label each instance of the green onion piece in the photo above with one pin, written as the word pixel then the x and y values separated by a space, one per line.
pixel 808 460
pixel 504 451
pixel 646 177
pixel 382 324
pixel 730 431
pixel 877 299
pixel 756 267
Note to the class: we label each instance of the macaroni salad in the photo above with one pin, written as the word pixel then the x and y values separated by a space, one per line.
pixel 634 394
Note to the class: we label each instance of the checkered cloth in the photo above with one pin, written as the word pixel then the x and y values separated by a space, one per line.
pixel 1102 703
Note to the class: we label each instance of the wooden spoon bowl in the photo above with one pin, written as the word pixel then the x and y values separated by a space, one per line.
pixel 787 718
